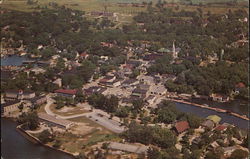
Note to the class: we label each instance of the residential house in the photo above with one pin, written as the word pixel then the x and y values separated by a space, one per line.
pixel 9 107
pixel 130 83
pixel 208 124
pixel 158 90
pixel 214 118
pixel 58 82
pixel 139 93
pixel 214 145
pixel 219 97
pixel 146 79
pixel 94 89
pixel 19 94
pixel 238 87
pixel 66 92
pixel 84 55
pixel 150 99
pixel 54 122
pixel 181 126
pixel 38 70
pixel 221 128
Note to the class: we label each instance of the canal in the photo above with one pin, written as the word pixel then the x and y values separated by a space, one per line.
pixel 15 146
pixel 13 60
pixel 225 118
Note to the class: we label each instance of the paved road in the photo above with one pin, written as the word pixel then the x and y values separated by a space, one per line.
pixel 106 122
pixel 110 124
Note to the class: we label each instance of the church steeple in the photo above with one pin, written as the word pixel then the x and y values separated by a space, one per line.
pixel 175 54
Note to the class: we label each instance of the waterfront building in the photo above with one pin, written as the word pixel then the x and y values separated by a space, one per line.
pixel 54 122
pixel 181 126
pixel 9 107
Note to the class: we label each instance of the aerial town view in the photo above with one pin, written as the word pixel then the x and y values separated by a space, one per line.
pixel 124 79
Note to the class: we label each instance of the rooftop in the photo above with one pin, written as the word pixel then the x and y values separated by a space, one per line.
pixel 66 91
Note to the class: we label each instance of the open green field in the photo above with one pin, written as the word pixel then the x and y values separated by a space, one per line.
pixel 98 5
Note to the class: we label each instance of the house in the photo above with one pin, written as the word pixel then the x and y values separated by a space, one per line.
pixel 58 82
pixel 213 145
pixel 66 92
pixel 139 93
pixel 158 90
pixel 208 124
pixel 94 89
pixel 38 70
pixel 130 83
pixel 19 94
pixel 196 140
pixel 53 121
pixel 238 87
pixel 39 100
pixel 84 55
pixel 150 99
pixel 181 126
pixel 146 79
pixel 152 57
pixel 219 97
pixel 214 118
pixel 221 128
pixel 128 147
pixel 9 107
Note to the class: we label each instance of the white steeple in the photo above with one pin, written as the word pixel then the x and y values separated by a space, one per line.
pixel 175 54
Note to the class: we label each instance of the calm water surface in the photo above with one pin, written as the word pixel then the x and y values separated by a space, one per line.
pixel 15 146
pixel 241 123
pixel 13 60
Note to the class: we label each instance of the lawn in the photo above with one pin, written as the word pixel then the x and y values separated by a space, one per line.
pixel 69 110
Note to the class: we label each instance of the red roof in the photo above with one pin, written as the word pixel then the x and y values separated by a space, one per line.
pixel 220 127
pixel 66 91
pixel 181 126
pixel 240 85
pixel 84 54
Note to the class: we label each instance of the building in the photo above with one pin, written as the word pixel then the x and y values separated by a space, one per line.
pixel 94 89
pixel 239 87
pixel 158 90
pixel 208 124
pixel 219 97
pixel 54 122
pixel 146 79
pixel 214 118
pixel 66 92
pixel 19 94
pixel 181 126
pixel 58 82
pixel 150 99
pixel 130 83
pixel 9 107
pixel 128 147
pixel 39 100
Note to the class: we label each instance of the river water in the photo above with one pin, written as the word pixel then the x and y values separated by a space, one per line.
pixel 225 118
pixel 15 146
pixel 13 60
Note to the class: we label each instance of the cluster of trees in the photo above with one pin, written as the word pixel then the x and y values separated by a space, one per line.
pixel 167 113
pixel 109 104
pixel 155 135
pixel 29 120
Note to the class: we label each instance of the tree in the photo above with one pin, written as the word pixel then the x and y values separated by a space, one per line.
pixel 20 107
pixel 29 120
pixel 194 121
pixel 153 153
pixel 45 137
pixel 138 104
pixel 239 154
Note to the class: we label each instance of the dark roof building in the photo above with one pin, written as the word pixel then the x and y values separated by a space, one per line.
pixel 181 126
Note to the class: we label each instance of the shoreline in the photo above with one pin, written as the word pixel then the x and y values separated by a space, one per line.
pixel 219 110
pixel 35 140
